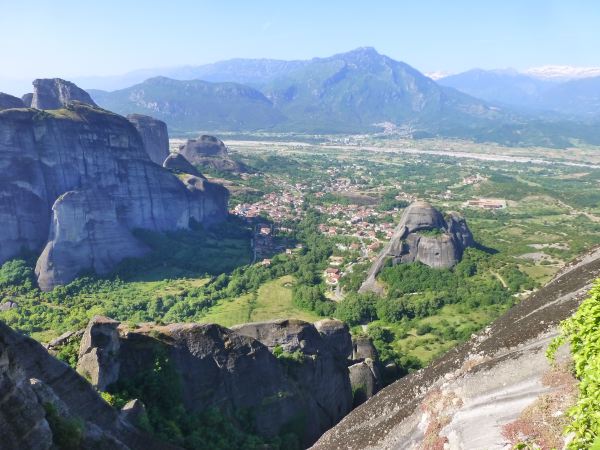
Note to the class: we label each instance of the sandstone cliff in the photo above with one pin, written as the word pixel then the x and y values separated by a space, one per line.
pixel 75 181
pixel 154 136
pixel 41 394
pixel 473 395
pixel 308 390
pixel 423 235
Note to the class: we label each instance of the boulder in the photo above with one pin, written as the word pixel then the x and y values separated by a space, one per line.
pixel 27 99
pixel 208 152
pixel 98 352
pixel 7 305
pixel 365 379
pixel 422 235
pixel 56 93
pixel 133 411
pixel 337 334
pixel 363 348
pixel 8 102
pixel 178 164
pixel 154 136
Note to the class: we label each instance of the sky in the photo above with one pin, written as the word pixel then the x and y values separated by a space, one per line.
pixel 70 38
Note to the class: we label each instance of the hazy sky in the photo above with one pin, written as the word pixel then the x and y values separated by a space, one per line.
pixel 100 37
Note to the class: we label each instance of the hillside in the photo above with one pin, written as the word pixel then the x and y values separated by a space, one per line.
pixel 194 105
pixel 476 394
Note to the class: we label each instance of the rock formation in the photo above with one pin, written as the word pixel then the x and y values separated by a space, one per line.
pixel 8 102
pixel 27 99
pixel 54 93
pixel 177 163
pixel 39 392
pixel 365 370
pixel 98 351
pixel 234 371
pixel 208 152
pixel 154 136
pixel 423 235
pixel 464 399
pixel 75 181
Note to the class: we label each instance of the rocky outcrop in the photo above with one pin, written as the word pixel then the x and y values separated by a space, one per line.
pixel 365 379
pixel 323 375
pixel 133 411
pixel 55 93
pixel 423 235
pixel 85 233
pixel 27 99
pixel 303 385
pixel 98 352
pixel 8 102
pixel 208 152
pixel 178 164
pixel 39 393
pixel 466 398
pixel 154 136
pixel 337 334
pixel 74 183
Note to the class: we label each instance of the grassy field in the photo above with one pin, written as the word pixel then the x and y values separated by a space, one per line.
pixel 273 301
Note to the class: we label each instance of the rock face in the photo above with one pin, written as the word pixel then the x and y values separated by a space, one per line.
pixel 27 99
pixel 32 382
pixel 465 398
pixel 8 102
pixel 365 379
pixel 423 235
pixel 208 152
pixel 233 371
pixel 75 182
pixel 178 164
pixel 154 136
pixel 54 93
pixel 323 376
pixel 99 346
pixel 337 334
pixel 85 233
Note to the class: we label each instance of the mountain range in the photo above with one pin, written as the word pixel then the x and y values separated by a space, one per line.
pixel 578 97
pixel 355 92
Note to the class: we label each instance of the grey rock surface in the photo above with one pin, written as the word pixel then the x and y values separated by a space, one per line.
pixel 154 136
pixel 363 348
pixel 8 101
pixel 55 93
pixel 98 352
pixel 413 240
pixel 323 375
pixel 133 411
pixel 337 334
pixel 179 164
pixel 365 379
pixel 208 152
pixel 27 99
pixel 98 161
pixel 30 377
pixel 233 371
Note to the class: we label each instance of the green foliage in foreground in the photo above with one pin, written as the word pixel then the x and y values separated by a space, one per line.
pixel 67 433
pixel 582 332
